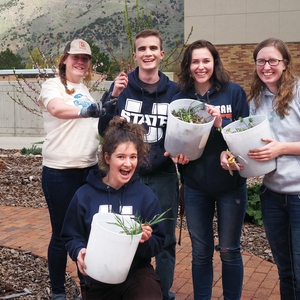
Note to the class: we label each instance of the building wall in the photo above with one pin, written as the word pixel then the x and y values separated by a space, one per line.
pixel 242 21
pixel 238 60
pixel 235 27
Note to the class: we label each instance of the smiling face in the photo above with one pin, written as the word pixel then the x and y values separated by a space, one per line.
pixel 270 75
pixel 148 53
pixel 201 69
pixel 122 164
pixel 76 66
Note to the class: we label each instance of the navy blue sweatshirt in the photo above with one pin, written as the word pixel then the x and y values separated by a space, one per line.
pixel 86 202
pixel 150 109
pixel 206 173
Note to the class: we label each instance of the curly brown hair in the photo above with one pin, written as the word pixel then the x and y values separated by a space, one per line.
pixel 220 76
pixel 122 131
pixel 286 84
pixel 62 73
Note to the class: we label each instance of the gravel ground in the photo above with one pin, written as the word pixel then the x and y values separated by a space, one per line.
pixel 20 185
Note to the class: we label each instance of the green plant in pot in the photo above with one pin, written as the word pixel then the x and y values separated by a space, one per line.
pixel 136 227
pixel 245 134
pixel 188 128
pixel 247 125
pixel 191 114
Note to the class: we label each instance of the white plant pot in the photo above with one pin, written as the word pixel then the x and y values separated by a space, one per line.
pixel 183 137
pixel 239 143
pixel 109 253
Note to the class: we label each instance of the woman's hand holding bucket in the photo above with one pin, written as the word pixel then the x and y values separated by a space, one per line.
pixel 80 261
pixel 147 233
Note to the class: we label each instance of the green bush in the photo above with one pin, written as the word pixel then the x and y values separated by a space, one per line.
pixel 34 150
pixel 253 213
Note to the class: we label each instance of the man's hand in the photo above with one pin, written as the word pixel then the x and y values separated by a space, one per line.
pixel 120 84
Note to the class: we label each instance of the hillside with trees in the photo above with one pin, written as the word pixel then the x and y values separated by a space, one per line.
pixel 41 23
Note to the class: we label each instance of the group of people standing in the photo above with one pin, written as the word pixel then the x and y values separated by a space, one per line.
pixel 136 172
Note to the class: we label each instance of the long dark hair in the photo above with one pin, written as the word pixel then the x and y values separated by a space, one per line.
pixel 220 76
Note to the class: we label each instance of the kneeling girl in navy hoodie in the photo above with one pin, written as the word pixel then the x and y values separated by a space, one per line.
pixel 115 188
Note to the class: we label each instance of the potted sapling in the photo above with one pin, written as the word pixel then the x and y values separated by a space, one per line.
pixel 112 244
pixel 245 134
pixel 188 128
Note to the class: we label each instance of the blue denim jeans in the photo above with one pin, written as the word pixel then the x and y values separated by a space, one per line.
pixel 200 209
pixel 281 217
pixel 165 187
pixel 59 186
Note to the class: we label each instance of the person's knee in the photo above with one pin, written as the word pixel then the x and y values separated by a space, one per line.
pixel 145 285
pixel 229 254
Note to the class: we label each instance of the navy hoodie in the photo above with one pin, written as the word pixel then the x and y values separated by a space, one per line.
pixel 86 202
pixel 150 109
pixel 206 173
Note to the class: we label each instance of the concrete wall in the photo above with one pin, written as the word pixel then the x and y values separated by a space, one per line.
pixel 242 21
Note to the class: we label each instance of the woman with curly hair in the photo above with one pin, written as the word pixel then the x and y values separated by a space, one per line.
pixel 117 188
pixel 275 92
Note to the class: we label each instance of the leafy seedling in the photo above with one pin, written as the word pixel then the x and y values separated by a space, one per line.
pixel 240 129
pixel 190 115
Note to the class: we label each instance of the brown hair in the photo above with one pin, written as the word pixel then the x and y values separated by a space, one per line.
pixel 286 84
pixel 146 33
pixel 220 76
pixel 122 131
pixel 62 73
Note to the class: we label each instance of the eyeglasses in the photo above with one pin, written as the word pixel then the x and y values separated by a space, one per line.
pixel 271 62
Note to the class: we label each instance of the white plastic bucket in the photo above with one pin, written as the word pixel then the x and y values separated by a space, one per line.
pixel 187 138
pixel 109 253
pixel 239 143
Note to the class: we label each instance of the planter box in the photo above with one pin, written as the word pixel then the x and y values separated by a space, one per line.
pixel 187 138
pixel 239 143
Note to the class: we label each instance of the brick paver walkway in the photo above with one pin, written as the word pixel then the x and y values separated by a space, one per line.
pixel 29 229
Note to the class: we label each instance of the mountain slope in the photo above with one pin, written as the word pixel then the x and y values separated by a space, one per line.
pixel 39 23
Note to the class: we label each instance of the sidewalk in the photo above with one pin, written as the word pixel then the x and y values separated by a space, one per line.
pixel 29 229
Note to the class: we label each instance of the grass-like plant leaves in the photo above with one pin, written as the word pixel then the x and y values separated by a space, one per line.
pixel 133 228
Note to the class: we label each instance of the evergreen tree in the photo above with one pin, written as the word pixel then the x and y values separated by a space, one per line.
pixel 9 60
